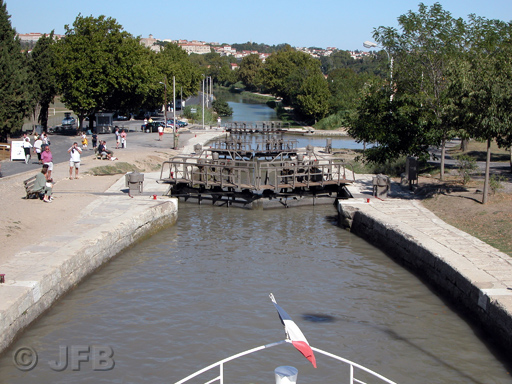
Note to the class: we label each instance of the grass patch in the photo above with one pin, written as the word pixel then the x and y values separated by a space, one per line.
pixel 113 169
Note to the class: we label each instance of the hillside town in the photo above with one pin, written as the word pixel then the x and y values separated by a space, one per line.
pixel 202 47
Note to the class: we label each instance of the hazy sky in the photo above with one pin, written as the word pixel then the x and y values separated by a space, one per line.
pixel 320 23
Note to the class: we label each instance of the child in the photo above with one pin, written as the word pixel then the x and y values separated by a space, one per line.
pixel 84 141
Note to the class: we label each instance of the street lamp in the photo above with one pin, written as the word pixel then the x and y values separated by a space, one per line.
pixel 203 101
pixel 371 44
pixel 165 100
pixel 175 126
pixel 174 144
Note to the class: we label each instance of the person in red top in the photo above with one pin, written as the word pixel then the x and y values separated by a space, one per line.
pixel 47 158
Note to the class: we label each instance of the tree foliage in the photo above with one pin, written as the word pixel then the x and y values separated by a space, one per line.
pixel 100 67
pixel 482 85
pixel 16 84
pixel 42 65
pixel 249 72
pixel 222 108
pixel 297 78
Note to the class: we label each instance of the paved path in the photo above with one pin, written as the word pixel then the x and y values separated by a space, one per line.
pixel 471 273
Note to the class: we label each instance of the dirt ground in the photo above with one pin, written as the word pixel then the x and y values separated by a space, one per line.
pixel 462 208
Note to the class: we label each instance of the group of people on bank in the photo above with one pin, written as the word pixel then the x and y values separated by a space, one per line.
pixel 44 181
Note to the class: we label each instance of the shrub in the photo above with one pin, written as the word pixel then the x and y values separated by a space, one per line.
pixel 466 165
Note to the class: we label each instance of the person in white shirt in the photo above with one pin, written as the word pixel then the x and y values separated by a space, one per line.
pixel 26 148
pixel 74 161
pixel 37 148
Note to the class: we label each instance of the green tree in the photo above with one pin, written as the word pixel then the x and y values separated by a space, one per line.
pixel 100 66
pixel 429 40
pixel 43 69
pixel 222 108
pixel 394 126
pixel 345 86
pixel 249 72
pixel 312 100
pixel 483 85
pixel 16 86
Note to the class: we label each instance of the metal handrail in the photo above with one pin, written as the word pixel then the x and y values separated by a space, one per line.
pixel 220 364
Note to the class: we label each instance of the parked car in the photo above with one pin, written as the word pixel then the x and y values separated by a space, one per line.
pixel 153 126
pixel 179 123
pixel 121 117
pixel 68 120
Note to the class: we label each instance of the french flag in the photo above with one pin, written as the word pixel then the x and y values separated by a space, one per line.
pixel 294 334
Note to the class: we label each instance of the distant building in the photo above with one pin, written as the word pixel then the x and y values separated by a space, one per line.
pixel 194 46
pixel 33 37
pixel 150 42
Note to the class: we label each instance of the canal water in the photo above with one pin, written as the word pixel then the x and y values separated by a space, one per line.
pixel 247 110
pixel 197 292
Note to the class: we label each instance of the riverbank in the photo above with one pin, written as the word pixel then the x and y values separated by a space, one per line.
pixel 49 248
pixel 474 276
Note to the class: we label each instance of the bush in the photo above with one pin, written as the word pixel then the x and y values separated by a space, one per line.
pixel 495 183
pixel 222 108
pixel 335 121
pixel 466 165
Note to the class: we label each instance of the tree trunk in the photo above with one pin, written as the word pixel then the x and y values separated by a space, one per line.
pixel 43 116
pixel 464 145
pixel 443 154
pixel 510 159
pixel 487 167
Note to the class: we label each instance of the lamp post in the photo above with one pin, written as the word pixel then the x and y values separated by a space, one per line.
pixel 203 101
pixel 174 128
pixel 165 100
pixel 371 44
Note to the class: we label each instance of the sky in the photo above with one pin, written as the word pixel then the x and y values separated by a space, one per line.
pixel 314 23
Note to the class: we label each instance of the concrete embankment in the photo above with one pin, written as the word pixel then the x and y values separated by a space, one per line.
pixel 471 274
pixel 40 274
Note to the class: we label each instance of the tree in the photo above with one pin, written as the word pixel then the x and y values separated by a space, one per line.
pixel 249 72
pixel 16 86
pixel 100 66
pixel 429 40
pixel 297 78
pixel 395 126
pixel 43 69
pixel 345 86
pixel 483 85
pixel 222 108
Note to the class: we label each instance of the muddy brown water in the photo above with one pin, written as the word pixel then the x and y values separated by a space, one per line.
pixel 198 292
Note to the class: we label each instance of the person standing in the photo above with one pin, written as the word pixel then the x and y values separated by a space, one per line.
pixel 118 138
pixel 47 158
pixel 74 161
pixel 37 149
pixel 94 140
pixel 160 132
pixel 26 148
pixel 123 139
pixel 85 142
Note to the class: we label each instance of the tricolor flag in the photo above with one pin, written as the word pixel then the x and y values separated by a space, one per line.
pixel 294 334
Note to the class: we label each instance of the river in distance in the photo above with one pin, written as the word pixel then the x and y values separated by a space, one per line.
pixel 251 111
pixel 197 292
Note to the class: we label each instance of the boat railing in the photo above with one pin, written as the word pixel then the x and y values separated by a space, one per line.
pixel 353 367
